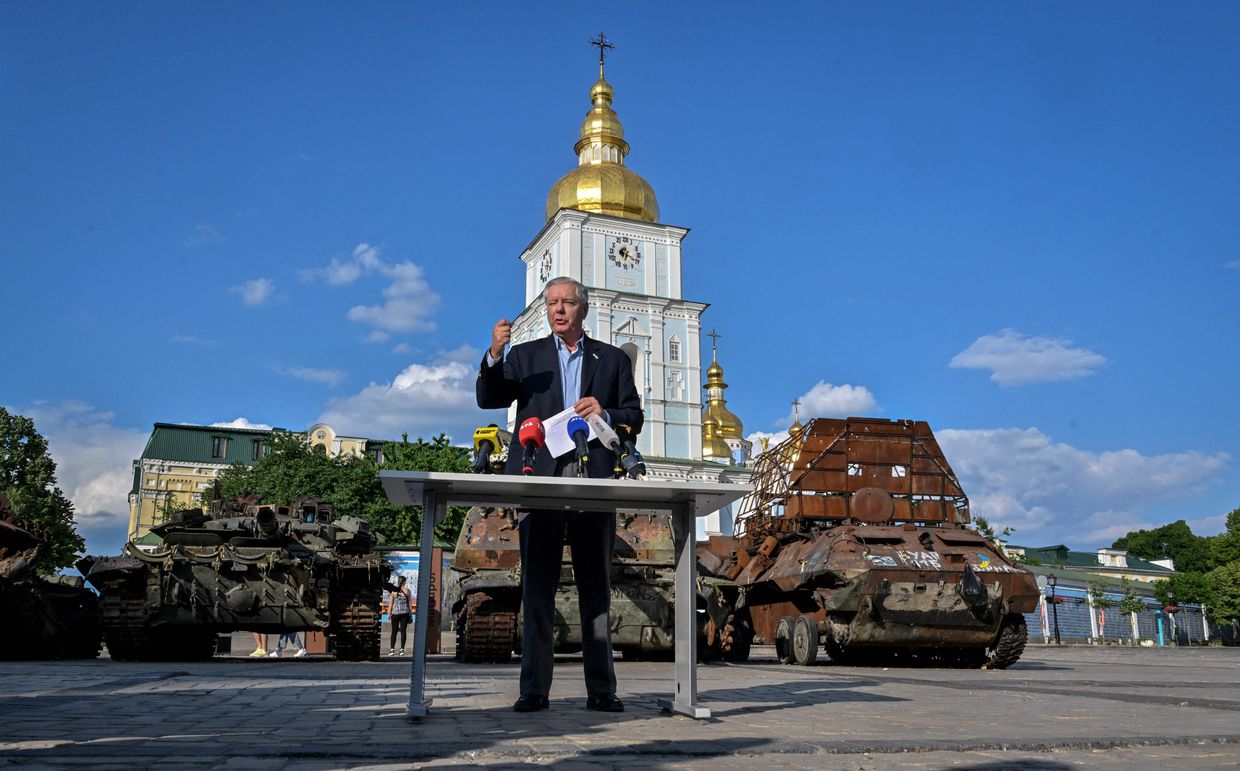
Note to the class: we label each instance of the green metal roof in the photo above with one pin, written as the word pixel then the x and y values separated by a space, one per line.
pixel 1062 555
pixel 193 444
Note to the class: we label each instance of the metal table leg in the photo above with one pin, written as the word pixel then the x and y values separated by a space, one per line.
pixel 433 512
pixel 683 535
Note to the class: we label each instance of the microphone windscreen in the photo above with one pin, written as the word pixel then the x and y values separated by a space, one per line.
pixel 577 423
pixel 532 431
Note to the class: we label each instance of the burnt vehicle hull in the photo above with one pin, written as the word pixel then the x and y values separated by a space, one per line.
pixel 45 618
pixel 855 541
pixel 260 568
pixel 487 608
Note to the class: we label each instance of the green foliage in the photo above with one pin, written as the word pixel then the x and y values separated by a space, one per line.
pixel 1131 602
pixel 294 468
pixel 1225 547
pixel 1187 587
pixel 1224 582
pixel 1191 553
pixel 987 530
pixel 1097 589
pixel 28 478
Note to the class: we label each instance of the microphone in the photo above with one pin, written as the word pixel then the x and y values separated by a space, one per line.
pixel 630 459
pixel 489 441
pixel 579 430
pixel 609 439
pixel 531 436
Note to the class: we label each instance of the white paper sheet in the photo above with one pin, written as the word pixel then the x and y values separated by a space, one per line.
pixel 558 440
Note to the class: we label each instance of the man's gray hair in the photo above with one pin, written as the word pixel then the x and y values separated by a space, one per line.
pixel 582 293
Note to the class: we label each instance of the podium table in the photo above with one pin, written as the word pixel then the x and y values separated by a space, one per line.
pixel 685 500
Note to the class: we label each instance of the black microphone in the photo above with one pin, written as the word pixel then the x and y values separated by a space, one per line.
pixel 630 459
pixel 532 435
pixel 579 430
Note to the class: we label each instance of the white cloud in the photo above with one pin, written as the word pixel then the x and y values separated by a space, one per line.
pixel 328 377
pixel 203 235
pixel 422 400
pixel 409 300
pixel 825 400
pixel 242 423
pixel 772 439
pixel 191 340
pixel 1017 359
pixel 376 336
pixel 1234 265
pixel 1053 492
pixel 254 292
pixel 93 462
pixel 401 348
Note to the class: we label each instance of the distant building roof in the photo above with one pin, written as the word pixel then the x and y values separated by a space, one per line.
pixel 1060 554
pixel 193 444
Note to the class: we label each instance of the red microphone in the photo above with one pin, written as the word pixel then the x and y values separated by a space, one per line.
pixel 531 436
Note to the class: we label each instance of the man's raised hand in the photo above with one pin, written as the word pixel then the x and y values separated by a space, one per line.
pixel 501 335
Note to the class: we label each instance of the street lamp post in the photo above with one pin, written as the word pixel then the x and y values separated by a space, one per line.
pixel 1051 581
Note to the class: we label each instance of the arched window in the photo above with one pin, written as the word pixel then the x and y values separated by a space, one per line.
pixel 673 349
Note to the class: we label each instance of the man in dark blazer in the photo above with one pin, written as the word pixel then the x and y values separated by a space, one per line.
pixel 544 377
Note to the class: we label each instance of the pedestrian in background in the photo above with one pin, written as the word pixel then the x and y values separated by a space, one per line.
pixel 399 612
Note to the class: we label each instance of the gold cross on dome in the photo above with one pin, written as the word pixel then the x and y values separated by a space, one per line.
pixel 796 415
pixel 714 338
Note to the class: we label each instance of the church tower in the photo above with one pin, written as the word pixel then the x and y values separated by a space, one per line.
pixel 723 434
pixel 603 229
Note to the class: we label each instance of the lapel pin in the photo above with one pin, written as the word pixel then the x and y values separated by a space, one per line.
pixel 595 355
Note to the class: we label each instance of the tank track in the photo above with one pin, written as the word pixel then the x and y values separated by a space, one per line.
pixel 130 637
pixel 485 630
pixel 356 624
pixel 1010 643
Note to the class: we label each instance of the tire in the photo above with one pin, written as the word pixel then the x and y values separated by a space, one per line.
pixel 1009 643
pixel 805 641
pixel 783 639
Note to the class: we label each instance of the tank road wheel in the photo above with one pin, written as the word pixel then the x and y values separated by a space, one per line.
pixel 783 639
pixel 125 632
pixel 738 636
pixel 1009 643
pixel 486 630
pixel 805 641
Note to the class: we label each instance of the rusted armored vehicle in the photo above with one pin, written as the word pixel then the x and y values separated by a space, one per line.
pixel 52 617
pixel 487 605
pixel 244 566
pixel 856 539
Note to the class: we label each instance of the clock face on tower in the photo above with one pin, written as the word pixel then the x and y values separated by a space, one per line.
pixel 624 253
pixel 544 266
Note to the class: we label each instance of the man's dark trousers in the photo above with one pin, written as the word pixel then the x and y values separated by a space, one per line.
pixel 591 535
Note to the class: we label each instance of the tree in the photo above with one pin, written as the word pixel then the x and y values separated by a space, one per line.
pixel 1131 602
pixel 1224 584
pixel 1225 547
pixel 28 478
pixel 1187 587
pixel 350 482
pixel 1191 553
pixel 987 530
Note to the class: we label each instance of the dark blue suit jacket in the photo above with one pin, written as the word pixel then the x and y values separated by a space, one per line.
pixel 530 376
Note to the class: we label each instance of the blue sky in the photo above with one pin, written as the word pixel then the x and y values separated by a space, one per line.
pixel 1017 221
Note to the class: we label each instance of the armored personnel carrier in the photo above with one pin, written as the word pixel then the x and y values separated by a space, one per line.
pixel 487 605
pixel 856 540
pixel 244 566
pixel 44 617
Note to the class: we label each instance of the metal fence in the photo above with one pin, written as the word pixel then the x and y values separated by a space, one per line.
pixel 1080 620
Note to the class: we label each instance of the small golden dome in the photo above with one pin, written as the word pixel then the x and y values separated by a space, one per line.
pixel 713 447
pixel 727 425
pixel 601 182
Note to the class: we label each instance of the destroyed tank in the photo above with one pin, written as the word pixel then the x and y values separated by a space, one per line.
pixel 243 567
pixel 52 617
pixel 487 605
pixel 857 540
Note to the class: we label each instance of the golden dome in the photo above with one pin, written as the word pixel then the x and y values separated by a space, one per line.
pixel 728 426
pixel 601 182
pixel 713 447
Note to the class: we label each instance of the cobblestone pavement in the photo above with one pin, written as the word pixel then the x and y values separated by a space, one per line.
pixel 1062 708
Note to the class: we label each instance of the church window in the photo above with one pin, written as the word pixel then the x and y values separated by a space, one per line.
pixel 596 152
pixel 673 349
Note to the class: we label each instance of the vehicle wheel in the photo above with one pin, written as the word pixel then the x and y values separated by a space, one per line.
pixel 741 631
pixel 805 641
pixel 783 639
pixel 1009 643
